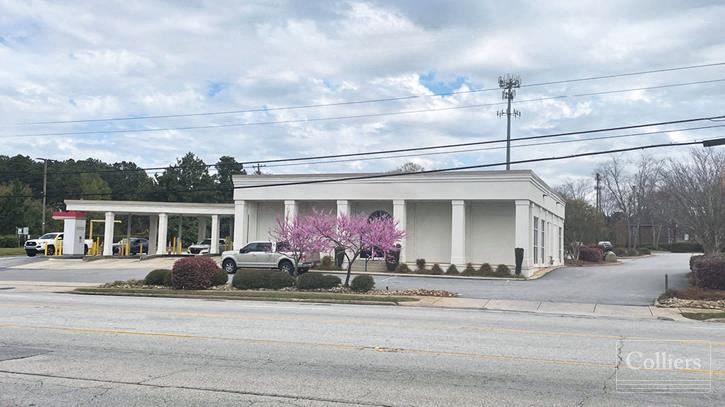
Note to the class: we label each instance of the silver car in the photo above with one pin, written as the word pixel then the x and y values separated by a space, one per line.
pixel 263 254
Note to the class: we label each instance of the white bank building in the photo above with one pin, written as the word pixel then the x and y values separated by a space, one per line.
pixel 449 217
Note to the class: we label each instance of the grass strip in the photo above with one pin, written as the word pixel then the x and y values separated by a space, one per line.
pixel 11 251
pixel 702 316
pixel 248 295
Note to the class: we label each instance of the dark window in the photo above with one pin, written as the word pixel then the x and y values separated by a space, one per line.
pixel 379 214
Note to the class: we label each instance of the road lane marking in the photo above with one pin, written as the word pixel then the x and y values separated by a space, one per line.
pixel 344 346
pixel 325 319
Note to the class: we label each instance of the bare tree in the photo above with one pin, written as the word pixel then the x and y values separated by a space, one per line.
pixel 575 189
pixel 646 180
pixel 409 167
pixel 620 193
pixel 632 192
pixel 697 197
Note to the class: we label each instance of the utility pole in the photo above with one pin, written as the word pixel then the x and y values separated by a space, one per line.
pixel 45 186
pixel 598 189
pixel 508 83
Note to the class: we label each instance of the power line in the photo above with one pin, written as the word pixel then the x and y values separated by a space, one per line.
pixel 707 142
pixel 347 117
pixel 366 101
pixel 591 78
pixel 440 146
pixel 472 150
pixel 477 166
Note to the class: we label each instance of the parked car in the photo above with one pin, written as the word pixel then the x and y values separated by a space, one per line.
pixel 204 246
pixel 606 245
pixel 37 246
pixel 139 245
pixel 265 254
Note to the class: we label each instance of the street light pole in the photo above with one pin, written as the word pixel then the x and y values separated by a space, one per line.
pixel 45 188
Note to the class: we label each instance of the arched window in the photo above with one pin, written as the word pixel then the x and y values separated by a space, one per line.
pixel 379 214
pixel 375 252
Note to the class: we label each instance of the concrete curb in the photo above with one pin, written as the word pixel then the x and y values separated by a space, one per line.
pixel 551 308
pixel 385 274
pixel 235 298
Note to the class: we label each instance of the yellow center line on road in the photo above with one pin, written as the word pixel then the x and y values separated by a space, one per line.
pixel 247 316
pixel 344 346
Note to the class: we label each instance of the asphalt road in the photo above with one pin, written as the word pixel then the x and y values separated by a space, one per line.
pixel 62 349
pixel 636 282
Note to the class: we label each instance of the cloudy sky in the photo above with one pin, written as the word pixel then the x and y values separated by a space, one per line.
pixel 65 61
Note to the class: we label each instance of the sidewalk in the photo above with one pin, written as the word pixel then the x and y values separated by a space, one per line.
pixel 544 307
pixel 43 286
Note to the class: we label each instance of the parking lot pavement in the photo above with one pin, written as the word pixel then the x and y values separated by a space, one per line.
pixel 635 282
pixel 40 268
pixel 15 261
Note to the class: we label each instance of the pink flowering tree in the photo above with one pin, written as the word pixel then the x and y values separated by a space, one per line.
pixel 354 234
pixel 298 238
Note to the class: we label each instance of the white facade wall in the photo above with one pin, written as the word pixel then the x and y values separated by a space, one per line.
pixel 459 217
pixel 429 231
pixel 491 233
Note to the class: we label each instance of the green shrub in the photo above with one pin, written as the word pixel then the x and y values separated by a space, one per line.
pixel 253 279
pixel 327 263
pixel 193 273
pixel 420 263
pixel 313 281
pixel 620 251
pixel 158 277
pixel 402 268
pixel 219 278
pixel 485 269
pixel 362 283
pixel 683 247
pixel 452 270
pixel 8 241
pixel 644 251
pixel 708 272
pixel 469 270
pixel 503 269
pixel 436 270
pixel 632 252
pixel 279 279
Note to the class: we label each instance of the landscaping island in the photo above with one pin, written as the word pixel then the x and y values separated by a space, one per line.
pixel 201 277
pixel 705 297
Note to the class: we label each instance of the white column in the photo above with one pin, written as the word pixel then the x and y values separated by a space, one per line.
pixel 523 231
pixel 343 207
pixel 108 234
pixel 153 233
pixel 214 249
pixel 458 232
pixel 163 232
pixel 399 216
pixel 201 228
pixel 240 224
pixel 290 210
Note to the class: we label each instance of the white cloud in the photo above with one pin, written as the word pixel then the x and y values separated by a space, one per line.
pixel 102 59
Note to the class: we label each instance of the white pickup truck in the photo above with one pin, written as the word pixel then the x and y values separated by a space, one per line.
pixel 265 254
pixel 37 246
